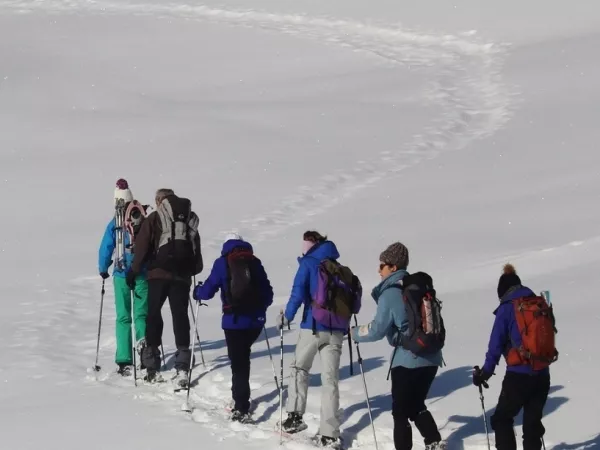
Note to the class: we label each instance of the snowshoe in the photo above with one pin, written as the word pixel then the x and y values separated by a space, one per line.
pixel 441 445
pixel 328 442
pixel 125 370
pixel 238 416
pixel 294 423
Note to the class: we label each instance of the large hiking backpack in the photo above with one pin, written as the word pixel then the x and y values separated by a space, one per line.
pixel 535 319
pixel 175 249
pixel 243 291
pixel 426 331
pixel 337 297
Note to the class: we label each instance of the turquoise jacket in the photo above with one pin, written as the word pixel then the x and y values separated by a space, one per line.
pixel 389 318
pixel 107 249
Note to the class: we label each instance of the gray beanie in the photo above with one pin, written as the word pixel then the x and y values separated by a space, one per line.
pixel 395 255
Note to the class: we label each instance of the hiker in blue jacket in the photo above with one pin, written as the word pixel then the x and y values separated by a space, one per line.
pixel 243 315
pixel 313 338
pixel 412 375
pixel 522 387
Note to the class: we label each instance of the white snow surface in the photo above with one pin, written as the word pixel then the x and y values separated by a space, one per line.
pixel 467 130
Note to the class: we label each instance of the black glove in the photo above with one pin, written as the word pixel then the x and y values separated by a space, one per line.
pixel 104 275
pixel 480 377
pixel 131 279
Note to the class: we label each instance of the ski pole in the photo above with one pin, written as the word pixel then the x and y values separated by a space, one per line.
pixel 487 433
pixel 281 383
pixel 133 349
pixel 362 371
pixel 196 328
pixel 186 405
pixel 271 357
pixel 350 350
pixel 96 366
pixel 162 351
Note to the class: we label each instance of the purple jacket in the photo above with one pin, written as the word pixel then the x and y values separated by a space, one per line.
pixel 505 334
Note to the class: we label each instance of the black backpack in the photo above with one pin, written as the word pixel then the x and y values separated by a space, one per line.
pixel 426 331
pixel 243 291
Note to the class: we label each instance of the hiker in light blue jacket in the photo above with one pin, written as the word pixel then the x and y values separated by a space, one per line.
pixel 412 375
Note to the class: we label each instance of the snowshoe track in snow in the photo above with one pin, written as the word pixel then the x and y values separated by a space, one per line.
pixel 464 83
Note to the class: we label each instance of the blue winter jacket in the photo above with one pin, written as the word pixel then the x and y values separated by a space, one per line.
pixel 218 280
pixel 305 283
pixel 505 333
pixel 107 248
pixel 389 318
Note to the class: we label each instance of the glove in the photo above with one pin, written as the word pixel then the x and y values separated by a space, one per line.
pixel 281 321
pixel 196 293
pixel 104 275
pixel 131 279
pixel 481 377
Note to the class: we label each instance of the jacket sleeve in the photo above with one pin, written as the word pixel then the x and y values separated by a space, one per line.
pixel 299 290
pixel 266 288
pixel 498 338
pixel 213 283
pixel 107 248
pixel 143 244
pixel 199 263
pixel 380 325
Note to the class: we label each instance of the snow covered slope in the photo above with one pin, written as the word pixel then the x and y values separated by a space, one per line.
pixel 465 131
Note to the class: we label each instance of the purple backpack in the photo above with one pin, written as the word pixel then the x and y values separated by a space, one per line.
pixel 337 297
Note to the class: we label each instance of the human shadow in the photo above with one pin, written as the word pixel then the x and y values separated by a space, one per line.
pixel 449 381
pixel 474 425
pixel 379 404
pixel 592 443
pixel 273 407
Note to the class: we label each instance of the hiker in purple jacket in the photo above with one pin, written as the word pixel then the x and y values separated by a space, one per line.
pixel 313 338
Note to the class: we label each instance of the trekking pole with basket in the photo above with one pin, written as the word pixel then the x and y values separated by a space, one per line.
pixel 281 382
pixel 102 292
pixel 271 357
pixel 196 328
pixel 362 371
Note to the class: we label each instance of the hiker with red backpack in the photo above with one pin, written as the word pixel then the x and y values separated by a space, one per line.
pixel 246 293
pixel 408 314
pixel 117 247
pixel 169 244
pixel 523 333
pixel 321 286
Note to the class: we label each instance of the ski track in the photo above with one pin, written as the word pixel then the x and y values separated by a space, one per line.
pixel 464 80
pixel 464 83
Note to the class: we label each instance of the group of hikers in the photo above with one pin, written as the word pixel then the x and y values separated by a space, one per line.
pixel 161 256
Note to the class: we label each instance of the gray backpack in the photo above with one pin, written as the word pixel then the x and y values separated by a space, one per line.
pixel 176 248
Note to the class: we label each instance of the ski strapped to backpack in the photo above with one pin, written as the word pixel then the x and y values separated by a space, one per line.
pixel 128 220
pixel 338 295
pixel 426 331
pixel 537 327
pixel 243 292
pixel 120 233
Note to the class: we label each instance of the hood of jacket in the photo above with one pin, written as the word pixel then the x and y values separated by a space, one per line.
pixel 324 250
pixel 232 244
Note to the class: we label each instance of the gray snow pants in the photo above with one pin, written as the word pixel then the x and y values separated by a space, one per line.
pixel 329 347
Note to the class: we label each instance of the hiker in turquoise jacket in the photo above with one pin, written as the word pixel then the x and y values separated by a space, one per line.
pixel 124 353
pixel 412 375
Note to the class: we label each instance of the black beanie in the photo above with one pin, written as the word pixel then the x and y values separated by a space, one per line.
pixel 508 279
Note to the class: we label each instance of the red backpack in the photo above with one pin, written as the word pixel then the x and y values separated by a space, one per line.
pixel 535 319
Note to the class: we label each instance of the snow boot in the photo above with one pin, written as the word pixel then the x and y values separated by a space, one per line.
pixel 294 423
pixel 328 442
pixel 124 369
pixel 441 445
pixel 181 379
pixel 152 376
pixel 238 416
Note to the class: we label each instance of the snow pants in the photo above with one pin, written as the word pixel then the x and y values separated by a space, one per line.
pixel 409 392
pixel 124 353
pixel 329 347
pixel 239 344
pixel 529 392
pixel 178 293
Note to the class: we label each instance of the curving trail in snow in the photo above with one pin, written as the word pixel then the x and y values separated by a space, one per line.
pixel 463 76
